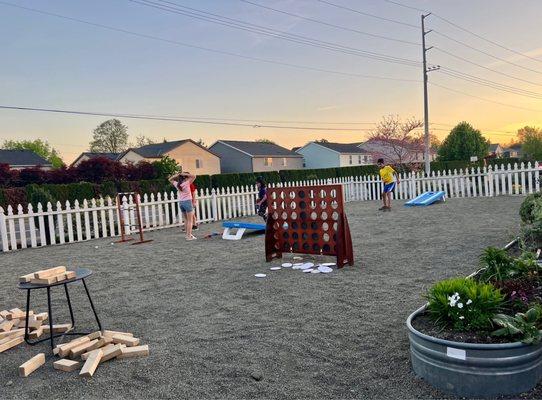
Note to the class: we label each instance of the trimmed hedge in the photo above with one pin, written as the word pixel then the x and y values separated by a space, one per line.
pixel 243 179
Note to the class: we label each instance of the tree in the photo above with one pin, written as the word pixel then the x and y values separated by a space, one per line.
pixel 322 141
pixel 462 143
pixel 166 167
pixel 201 142
pixel 38 146
pixel 110 136
pixel 265 141
pixel 531 142
pixel 396 141
pixel 143 140
pixel 435 142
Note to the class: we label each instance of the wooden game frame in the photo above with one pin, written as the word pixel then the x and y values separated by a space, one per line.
pixel 308 220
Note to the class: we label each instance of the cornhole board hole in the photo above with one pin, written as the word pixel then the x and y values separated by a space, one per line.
pixel 308 220
pixel 239 229
pixel 426 199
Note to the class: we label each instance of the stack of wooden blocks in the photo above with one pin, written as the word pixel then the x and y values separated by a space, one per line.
pixel 48 276
pixel 12 327
pixel 97 348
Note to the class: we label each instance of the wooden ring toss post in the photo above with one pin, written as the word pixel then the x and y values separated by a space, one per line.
pixel 308 220
pixel 123 224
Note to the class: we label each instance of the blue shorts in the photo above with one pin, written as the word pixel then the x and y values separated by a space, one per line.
pixel 389 187
pixel 186 206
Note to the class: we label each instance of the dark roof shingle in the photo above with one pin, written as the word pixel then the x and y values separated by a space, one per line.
pixel 343 147
pixel 261 149
pixel 157 150
pixel 22 158
pixel 91 155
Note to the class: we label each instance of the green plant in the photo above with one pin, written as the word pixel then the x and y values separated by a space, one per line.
pixel 531 208
pixel 166 166
pixel 522 326
pixel 531 236
pixel 464 304
pixel 498 265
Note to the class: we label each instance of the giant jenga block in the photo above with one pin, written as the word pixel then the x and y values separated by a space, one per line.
pixel 31 365
pixel 91 363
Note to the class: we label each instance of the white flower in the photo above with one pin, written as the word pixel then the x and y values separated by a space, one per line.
pixel 461 317
pixel 469 301
pixel 460 305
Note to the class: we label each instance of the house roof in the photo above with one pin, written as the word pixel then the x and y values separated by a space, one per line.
pixel 22 158
pixel 493 146
pixel 399 143
pixel 157 150
pixel 259 149
pixel 347 148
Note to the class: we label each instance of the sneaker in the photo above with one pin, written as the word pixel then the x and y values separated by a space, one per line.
pixel 387 209
pixel 195 228
pixel 191 238
pixel 383 208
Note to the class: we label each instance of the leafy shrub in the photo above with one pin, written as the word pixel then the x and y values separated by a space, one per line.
pixel 464 304
pixel 13 197
pixel 531 236
pixel 203 182
pixel 522 326
pixel 499 266
pixel 531 208
pixel 166 167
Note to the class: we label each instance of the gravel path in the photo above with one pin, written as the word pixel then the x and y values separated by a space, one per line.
pixel 212 326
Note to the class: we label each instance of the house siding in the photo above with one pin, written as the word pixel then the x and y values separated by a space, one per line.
pixel 316 156
pixel 133 157
pixel 231 160
pixel 187 154
pixel 258 164
pixel 345 160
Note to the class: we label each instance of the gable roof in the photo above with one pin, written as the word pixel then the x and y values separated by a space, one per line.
pixel 22 158
pixel 157 150
pixel 259 149
pixel 345 148
pixel 493 147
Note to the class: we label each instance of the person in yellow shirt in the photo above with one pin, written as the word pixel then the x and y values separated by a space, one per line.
pixel 390 179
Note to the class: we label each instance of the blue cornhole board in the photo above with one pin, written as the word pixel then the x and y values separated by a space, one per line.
pixel 426 199
pixel 240 228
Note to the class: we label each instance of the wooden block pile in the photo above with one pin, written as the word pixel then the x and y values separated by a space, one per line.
pixel 88 352
pixel 12 327
pixel 48 276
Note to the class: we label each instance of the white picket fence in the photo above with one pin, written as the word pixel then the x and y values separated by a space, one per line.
pixel 25 227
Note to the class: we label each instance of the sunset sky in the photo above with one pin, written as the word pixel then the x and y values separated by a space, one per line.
pixel 52 62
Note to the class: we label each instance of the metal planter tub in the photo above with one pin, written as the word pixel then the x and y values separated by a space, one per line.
pixel 471 369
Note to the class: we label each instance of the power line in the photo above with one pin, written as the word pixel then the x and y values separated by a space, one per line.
pixel 485 52
pixel 331 25
pixel 466 30
pixel 485 82
pixel 368 14
pixel 484 67
pixel 207 49
pixel 266 31
pixel 482 98
pixel 168 119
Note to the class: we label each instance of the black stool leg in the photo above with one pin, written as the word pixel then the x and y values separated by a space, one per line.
pixel 50 317
pixel 69 305
pixel 92 305
pixel 26 329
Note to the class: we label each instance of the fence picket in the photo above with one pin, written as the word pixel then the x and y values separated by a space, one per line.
pixel 31 225
pixel 22 226
pixel 69 221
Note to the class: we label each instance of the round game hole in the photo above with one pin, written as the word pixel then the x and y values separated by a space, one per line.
pixel 335 216
pixel 325 226
pixel 324 215
pixel 326 237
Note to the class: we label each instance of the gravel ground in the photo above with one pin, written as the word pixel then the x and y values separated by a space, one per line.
pixel 213 327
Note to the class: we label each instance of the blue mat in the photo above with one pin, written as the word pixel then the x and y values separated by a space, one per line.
pixel 426 199
pixel 246 225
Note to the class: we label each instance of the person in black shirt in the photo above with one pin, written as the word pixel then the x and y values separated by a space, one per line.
pixel 261 203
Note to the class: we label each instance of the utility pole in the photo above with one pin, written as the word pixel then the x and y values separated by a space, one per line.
pixel 427 141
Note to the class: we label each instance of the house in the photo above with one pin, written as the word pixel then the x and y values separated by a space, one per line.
pixel 21 159
pixel 395 151
pixel 241 156
pixel 513 151
pixel 190 155
pixel 91 155
pixel 495 150
pixel 329 155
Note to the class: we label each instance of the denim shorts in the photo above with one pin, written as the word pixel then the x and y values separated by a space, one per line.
pixel 186 206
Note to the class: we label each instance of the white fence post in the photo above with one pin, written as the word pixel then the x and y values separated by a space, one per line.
pixel 3 230
pixel 214 205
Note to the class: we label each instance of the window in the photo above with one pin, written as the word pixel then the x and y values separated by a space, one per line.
pixel 268 161
pixel 284 162
pixel 199 163
pixel 350 159
pixel 359 160
pixel 365 158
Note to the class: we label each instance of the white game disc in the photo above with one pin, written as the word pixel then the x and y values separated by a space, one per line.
pixel 315 271
pixel 297 266
pixel 260 275
pixel 324 269
pixel 275 268
pixel 308 265
pixel 298 258
pixel 308 270
pixel 327 264
pixel 287 265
